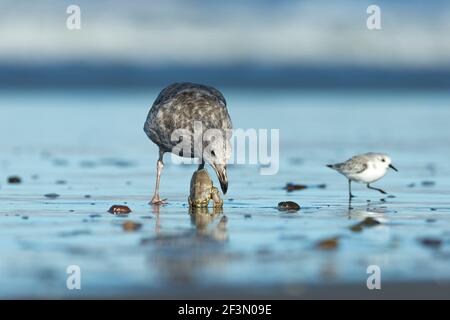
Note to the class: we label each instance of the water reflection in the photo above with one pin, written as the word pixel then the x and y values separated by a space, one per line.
pixel 182 257
pixel 373 210
pixel 203 218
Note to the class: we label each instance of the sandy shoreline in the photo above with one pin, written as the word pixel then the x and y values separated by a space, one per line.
pixel 264 253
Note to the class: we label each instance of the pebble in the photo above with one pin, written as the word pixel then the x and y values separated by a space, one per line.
pixel 292 187
pixel 328 244
pixel 131 226
pixel 366 223
pixel 119 209
pixel 289 206
pixel 51 195
pixel 14 180
pixel 431 242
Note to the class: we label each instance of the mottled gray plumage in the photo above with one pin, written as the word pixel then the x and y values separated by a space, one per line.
pixel 179 106
pixel 356 164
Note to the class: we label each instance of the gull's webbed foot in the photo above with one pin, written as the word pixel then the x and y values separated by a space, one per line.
pixel 157 201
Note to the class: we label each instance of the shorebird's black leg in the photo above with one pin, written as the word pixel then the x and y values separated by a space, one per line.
pixel 159 166
pixel 350 195
pixel 382 191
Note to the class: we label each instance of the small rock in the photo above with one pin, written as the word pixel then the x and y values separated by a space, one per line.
pixel 51 195
pixel 61 182
pixel 289 206
pixel 247 216
pixel 356 228
pixel 292 187
pixel 369 222
pixel 87 196
pixel 428 183
pixel 119 209
pixel 14 180
pixel 431 242
pixel 131 226
pixel 366 223
pixel 328 244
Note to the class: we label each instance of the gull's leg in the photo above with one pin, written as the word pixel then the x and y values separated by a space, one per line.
pixel 159 166
pixel 382 191
pixel 350 195
pixel 201 165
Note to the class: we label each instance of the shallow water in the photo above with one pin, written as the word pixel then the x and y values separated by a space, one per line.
pixel 91 143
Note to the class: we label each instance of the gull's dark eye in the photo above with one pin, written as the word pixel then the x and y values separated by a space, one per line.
pixel 213 153
pixel 383 160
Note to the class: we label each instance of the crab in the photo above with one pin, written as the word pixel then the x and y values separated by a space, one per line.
pixel 203 190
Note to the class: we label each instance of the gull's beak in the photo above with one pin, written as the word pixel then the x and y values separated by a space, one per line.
pixel 392 167
pixel 221 171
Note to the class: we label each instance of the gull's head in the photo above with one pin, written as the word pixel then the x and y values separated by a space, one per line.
pixel 217 152
pixel 382 160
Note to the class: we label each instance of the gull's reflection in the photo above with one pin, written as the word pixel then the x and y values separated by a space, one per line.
pixel 203 220
pixel 156 210
pixel 181 256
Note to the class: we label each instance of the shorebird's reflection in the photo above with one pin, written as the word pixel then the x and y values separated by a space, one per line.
pixel 368 210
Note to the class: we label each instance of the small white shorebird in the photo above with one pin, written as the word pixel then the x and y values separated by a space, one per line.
pixel 364 168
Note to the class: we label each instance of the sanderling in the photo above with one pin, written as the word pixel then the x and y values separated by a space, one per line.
pixel 364 168
pixel 178 106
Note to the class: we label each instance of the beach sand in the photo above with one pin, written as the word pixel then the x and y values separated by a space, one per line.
pixel 88 149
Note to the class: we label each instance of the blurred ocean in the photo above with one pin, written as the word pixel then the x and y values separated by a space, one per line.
pixel 289 43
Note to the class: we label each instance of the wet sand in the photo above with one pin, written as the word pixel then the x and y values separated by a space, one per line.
pixel 77 154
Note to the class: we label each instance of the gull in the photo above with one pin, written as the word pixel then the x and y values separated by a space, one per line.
pixel 180 107
pixel 364 168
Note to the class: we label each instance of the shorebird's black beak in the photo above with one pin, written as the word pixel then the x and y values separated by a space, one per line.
pixel 392 167
pixel 221 172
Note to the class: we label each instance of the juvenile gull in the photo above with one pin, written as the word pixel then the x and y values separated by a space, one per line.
pixel 364 168
pixel 179 106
